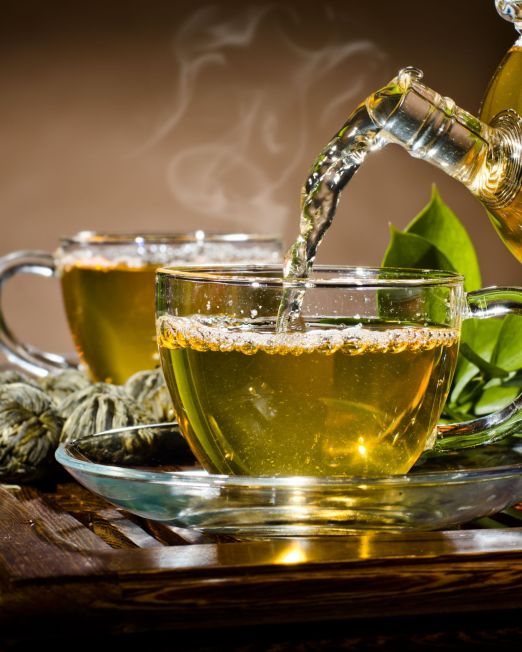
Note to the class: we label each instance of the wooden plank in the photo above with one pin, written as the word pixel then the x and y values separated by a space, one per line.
pixel 336 592
pixel 303 580
pixel 37 540
pixel 372 547
pixel 217 596
pixel 162 630
pixel 119 531
pixel 115 526
pixel 171 535
pixel 73 497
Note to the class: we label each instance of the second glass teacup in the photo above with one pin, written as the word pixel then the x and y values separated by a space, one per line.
pixel 357 389
pixel 107 282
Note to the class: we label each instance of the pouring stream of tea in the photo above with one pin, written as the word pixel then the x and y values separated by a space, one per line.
pixel 331 172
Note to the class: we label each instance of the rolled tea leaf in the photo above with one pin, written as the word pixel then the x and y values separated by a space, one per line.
pixel 149 390
pixel 29 433
pixel 97 409
pixel 64 383
pixel 12 376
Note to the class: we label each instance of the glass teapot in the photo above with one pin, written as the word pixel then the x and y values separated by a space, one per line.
pixel 484 154
pixel 505 88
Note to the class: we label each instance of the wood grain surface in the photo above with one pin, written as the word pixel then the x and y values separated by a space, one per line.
pixel 71 563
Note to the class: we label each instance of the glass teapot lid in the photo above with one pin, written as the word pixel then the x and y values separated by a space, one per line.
pixel 511 10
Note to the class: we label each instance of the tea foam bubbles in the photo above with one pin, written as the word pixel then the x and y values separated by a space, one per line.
pixel 220 334
pixel 165 255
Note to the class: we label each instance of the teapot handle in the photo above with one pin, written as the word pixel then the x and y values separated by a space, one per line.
pixel 25 356
pixel 483 304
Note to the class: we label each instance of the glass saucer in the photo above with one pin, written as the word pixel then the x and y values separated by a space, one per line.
pixel 149 471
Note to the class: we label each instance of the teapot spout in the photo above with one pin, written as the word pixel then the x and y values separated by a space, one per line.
pixel 486 158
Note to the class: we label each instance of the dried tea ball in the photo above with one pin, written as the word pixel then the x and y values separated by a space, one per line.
pixel 29 433
pixel 149 390
pixel 12 376
pixel 72 401
pixel 60 385
pixel 97 409
pixel 141 446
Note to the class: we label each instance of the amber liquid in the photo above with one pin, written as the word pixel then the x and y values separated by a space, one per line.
pixel 110 310
pixel 328 401
pixel 505 88
pixel 505 92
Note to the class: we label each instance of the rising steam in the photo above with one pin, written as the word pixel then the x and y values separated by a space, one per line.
pixel 249 92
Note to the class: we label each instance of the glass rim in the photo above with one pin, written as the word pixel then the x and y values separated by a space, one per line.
pixel 270 275
pixel 100 238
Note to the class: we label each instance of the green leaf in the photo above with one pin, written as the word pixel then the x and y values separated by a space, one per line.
pixel 410 250
pixel 508 349
pixel 489 369
pixel 514 381
pixel 439 225
pixel 495 398
pixel 480 335
pixel 435 239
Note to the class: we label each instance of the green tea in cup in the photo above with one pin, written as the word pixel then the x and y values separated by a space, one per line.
pixel 357 390
pixel 107 283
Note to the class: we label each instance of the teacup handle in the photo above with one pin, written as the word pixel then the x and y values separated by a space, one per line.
pixel 483 304
pixel 23 355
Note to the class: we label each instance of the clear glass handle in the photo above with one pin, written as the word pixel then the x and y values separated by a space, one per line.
pixel 483 304
pixel 26 356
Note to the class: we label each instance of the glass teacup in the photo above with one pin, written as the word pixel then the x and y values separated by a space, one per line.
pixel 357 389
pixel 107 283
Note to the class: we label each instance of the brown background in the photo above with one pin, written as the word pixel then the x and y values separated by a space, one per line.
pixel 153 115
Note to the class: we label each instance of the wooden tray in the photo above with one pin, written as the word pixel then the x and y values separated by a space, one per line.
pixel 71 565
